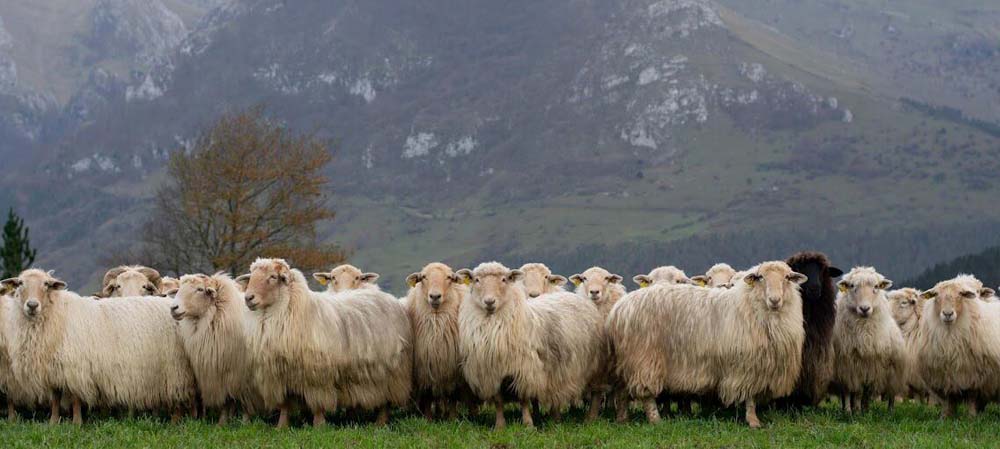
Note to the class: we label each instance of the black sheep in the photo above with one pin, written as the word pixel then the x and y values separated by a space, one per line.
pixel 819 314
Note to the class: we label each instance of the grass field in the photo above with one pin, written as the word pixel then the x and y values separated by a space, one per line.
pixel 910 426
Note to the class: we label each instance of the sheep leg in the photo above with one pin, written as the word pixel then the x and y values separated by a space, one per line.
pixel 652 411
pixel 223 416
pixel 77 412
pixel 621 407
pixel 426 408
pixel 845 402
pixel 54 413
pixel 948 408
pixel 856 402
pixel 891 403
pixel 11 411
pixel 452 407
pixel 383 416
pixel 556 414
pixel 175 417
pixel 283 415
pixel 596 400
pixel 684 406
pixel 751 414
pixel 500 422
pixel 973 408
pixel 866 399
pixel 319 417
pixel 536 409
pixel 526 415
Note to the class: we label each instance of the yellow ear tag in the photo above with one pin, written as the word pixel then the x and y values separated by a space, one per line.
pixel 411 282
pixel 322 281
pixel 700 283
pixel 842 288
pixel 466 281
pixel 643 284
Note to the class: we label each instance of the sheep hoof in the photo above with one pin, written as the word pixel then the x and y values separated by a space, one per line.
pixel 754 424
pixel 319 420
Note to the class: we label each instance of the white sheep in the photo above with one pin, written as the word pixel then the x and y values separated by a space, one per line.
pixel 546 349
pixel 720 275
pixel 539 280
pixel 743 344
pixel 215 326
pixel 130 280
pixel 668 274
pixel 346 277
pixel 59 342
pixel 958 344
pixel 869 351
pixel 8 388
pixel 432 303
pixel 350 349
pixel 604 289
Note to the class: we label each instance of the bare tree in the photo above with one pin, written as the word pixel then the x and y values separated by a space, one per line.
pixel 248 188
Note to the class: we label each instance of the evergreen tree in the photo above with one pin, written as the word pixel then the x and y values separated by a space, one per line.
pixel 16 253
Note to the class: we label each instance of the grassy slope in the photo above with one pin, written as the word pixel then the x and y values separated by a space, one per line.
pixel 909 427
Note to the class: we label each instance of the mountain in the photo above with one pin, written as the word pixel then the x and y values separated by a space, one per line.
pixel 515 130
pixel 985 265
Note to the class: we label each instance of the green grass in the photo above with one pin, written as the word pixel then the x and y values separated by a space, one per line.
pixel 910 426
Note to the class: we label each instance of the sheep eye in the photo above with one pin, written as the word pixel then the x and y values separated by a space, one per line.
pixel 200 289
pixel 357 278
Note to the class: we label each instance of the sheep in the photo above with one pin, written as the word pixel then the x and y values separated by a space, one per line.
pixel 665 274
pixel 352 351
pixel 604 289
pixel 8 388
pixel 169 286
pixel 58 343
pixel 547 349
pixel 958 344
pixel 869 351
pixel 130 280
pixel 432 304
pixel 214 324
pixel 744 344
pixel 819 314
pixel 720 275
pixel 346 277
pixel 907 308
pixel 539 280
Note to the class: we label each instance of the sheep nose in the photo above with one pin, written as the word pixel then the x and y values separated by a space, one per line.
pixel 773 302
pixel 249 297
pixel 865 309
pixel 32 304
pixel 533 294
pixel 490 301
pixel 948 314
pixel 435 296
pixel 595 292
pixel 173 308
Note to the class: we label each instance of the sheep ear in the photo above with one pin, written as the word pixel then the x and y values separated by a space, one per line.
pixel 986 292
pixel 413 279
pixel 615 279
pixel 751 278
pixel 56 284
pixel 369 277
pixel 172 292
pixel 556 279
pixel 576 279
pixel 834 272
pixel 842 286
pixel 465 275
pixel 642 280
pixel 884 285
pixel 9 285
pixel 243 280
pixel 929 294
pixel 797 278
pixel 322 278
pixel 515 275
pixel 700 280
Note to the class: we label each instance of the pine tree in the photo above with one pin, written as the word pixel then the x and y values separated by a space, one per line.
pixel 16 253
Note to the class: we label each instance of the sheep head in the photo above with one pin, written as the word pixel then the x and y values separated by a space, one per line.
pixel 493 286
pixel 199 295
pixel 267 283
pixel 433 283
pixel 905 304
pixel 169 286
pixel 131 281
pixel 539 280
pixel 861 288
pixel 774 283
pixel 33 290
pixel 662 275
pixel 951 298
pixel 345 277
pixel 595 284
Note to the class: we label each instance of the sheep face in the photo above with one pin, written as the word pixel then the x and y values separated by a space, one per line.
pixel 662 275
pixel 861 288
pixel 720 276
pixel 267 283
pixel 195 298
pixel 950 298
pixel 169 286
pixel 493 286
pixel 345 277
pixel 33 291
pixel 538 280
pixel 434 281
pixel 773 282
pixel 131 281
pixel 594 283
pixel 905 304
pixel 816 271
